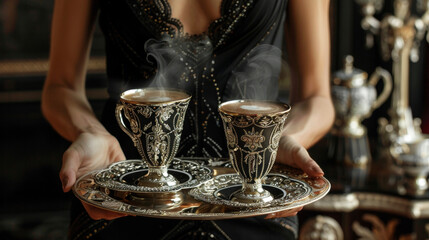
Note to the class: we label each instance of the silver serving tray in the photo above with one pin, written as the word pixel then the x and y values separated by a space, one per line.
pixel 182 205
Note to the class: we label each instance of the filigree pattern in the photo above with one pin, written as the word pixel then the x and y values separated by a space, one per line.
pixel 155 129
pixel 317 183
pixel 253 160
pixel 295 190
pixel 253 142
pixel 253 139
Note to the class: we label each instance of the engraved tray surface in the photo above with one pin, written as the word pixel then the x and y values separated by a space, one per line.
pixel 304 191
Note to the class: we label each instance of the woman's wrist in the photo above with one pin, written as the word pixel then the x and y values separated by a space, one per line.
pixel 96 129
pixel 309 120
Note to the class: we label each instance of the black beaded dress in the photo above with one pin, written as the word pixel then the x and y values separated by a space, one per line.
pixel 239 56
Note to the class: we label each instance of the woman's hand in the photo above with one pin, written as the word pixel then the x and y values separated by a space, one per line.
pixel 90 151
pixel 293 154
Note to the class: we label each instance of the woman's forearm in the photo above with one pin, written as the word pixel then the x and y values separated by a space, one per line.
pixel 310 120
pixel 308 41
pixel 69 112
pixel 64 103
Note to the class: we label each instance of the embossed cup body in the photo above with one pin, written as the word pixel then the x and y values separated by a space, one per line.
pixel 253 130
pixel 154 121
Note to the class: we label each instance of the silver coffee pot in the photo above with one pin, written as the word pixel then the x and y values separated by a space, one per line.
pixel 355 97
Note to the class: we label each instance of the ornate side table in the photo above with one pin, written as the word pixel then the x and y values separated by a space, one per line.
pixel 363 204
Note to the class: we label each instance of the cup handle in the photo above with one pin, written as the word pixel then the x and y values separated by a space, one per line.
pixel 387 81
pixel 120 120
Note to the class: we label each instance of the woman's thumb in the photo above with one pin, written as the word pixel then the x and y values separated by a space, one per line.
pixel 69 168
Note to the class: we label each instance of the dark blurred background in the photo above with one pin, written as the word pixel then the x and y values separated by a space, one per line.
pixel 32 204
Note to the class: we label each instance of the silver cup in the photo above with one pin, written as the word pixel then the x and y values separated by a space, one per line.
pixel 253 130
pixel 412 159
pixel 154 122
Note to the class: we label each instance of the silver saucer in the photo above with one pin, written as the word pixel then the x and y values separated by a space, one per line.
pixel 219 191
pixel 121 176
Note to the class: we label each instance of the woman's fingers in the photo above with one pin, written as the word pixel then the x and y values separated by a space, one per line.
pixel 88 152
pixel 69 168
pixel 292 153
pixel 118 155
pixel 303 161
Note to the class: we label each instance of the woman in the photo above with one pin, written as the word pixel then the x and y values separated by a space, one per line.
pixel 215 38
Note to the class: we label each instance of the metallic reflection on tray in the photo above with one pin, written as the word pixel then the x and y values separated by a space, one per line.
pixel 181 205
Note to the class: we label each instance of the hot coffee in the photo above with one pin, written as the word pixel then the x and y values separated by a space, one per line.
pixel 251 107
pixel 153 96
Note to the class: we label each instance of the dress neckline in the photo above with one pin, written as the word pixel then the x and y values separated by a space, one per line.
pixel 155 15
pixel 180 27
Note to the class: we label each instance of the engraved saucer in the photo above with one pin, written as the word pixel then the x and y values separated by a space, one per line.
pixel 121 176
pixel 219 191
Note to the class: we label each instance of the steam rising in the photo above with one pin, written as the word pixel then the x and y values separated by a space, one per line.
pixel 177 60
pixel 169 65
pixel 257 76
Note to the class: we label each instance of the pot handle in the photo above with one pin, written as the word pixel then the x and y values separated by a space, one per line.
pixel 387 89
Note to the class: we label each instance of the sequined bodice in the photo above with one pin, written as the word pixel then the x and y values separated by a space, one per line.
pixel 155 15
pixel 140 32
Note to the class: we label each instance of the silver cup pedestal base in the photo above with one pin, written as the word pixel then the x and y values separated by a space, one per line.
pixel 148 200
pixel 158 201
pixel 157 177
pixel 252 193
